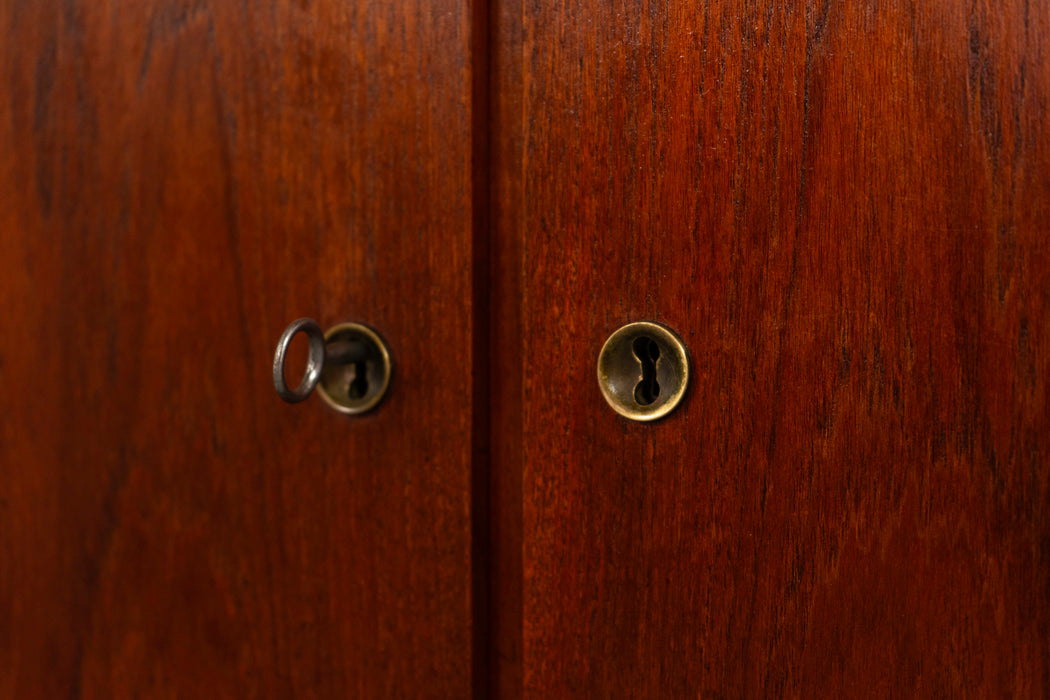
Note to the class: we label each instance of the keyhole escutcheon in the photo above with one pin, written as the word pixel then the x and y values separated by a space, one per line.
pixel 643 370
pixel 358 373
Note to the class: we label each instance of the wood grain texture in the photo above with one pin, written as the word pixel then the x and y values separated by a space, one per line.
pixel 843 209
pixel 179 181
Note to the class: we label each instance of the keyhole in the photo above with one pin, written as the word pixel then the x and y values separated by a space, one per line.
pixel 356 370
pixel 358 386
pixel 647 352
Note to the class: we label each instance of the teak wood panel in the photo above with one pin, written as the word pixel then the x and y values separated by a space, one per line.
pixel 179 181
pixel 843 208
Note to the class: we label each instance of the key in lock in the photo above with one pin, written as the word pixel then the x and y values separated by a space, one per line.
pixel 350 364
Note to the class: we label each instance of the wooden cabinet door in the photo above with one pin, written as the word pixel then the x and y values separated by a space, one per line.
pixel 179 180
pixel 843 210
pixel 841 207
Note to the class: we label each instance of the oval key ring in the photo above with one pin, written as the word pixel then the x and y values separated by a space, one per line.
pixel 314 362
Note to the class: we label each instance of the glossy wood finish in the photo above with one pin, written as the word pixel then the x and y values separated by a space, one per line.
pixel 179 181
pixel 843 209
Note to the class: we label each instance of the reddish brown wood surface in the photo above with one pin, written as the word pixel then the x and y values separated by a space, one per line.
pixel 844 210
pixel 179 180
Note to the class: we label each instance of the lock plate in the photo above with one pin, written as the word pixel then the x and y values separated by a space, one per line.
pixel 643 371
pixel 357 368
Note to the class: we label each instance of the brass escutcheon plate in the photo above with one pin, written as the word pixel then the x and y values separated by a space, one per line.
pixel 356 383
pixel 643 370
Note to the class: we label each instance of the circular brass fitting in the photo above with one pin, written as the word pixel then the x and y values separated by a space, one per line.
pixel 643 370
pixel 357 368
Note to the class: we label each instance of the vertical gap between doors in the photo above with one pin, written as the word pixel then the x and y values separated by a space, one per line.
pixel 496 478
pixel 483 595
